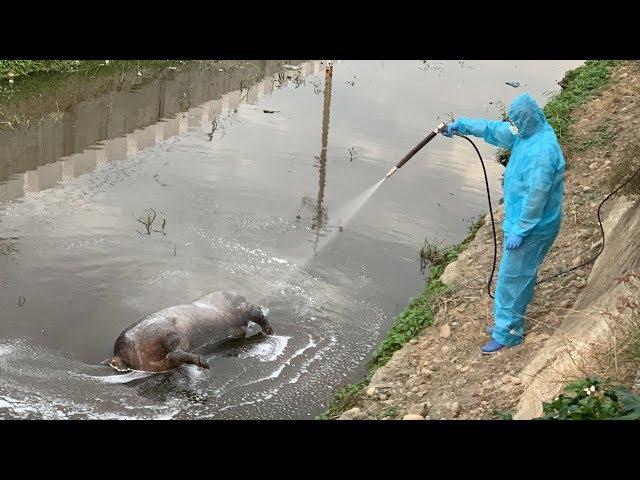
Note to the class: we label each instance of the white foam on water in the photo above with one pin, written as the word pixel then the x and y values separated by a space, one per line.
pixel 275 374
pixel 123 377
pixel 269 350
pixel 5 350
pixel 167 416
pixel 318 356
pixel 279 260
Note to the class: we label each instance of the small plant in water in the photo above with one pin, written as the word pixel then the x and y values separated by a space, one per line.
pixel 184 102
pixel 148 222
pixel 353 153
pixel 317 87
pixel 280 80
pixel 298 80
pixel 155 177
pixel 433 253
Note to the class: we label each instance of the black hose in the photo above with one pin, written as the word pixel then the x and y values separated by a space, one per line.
pixel 493 225
pixel 601 230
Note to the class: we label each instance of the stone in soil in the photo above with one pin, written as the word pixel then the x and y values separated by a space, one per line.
pixel 412 416
pixel 445 331
pixel 515 380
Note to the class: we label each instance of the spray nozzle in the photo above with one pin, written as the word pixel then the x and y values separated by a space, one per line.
pixel 391 172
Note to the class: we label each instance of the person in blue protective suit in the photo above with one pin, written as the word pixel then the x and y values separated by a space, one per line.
pixel 533 192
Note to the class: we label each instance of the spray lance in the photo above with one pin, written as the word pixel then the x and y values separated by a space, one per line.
pixel 417 148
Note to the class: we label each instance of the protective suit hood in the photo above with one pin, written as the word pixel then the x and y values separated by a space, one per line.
pixel 527 115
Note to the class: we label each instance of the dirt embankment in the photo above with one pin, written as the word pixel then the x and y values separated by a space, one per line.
pixel 577 323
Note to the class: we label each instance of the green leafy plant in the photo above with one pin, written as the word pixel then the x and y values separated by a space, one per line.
pixel 587 399
pixel 504 415
pixel 389 412
pixel 347 398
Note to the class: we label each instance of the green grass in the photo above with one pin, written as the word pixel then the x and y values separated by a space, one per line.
pixel 21 68
pixel 419 314
pixel 389 412
pixel 346 398
pixel 37 77
pixel 579 85
pixel 602 137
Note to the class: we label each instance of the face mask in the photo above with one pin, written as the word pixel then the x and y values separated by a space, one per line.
pixel 513 127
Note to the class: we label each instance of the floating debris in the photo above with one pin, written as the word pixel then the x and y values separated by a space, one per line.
pixel 155 176
pixel 271 111
pixel 513 84
pixel 21 301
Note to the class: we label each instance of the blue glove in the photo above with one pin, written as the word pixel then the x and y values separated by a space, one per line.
pixel 513 241
pixel 451 129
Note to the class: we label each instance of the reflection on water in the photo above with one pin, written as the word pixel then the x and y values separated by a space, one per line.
pixel 120 125
pixel 320 214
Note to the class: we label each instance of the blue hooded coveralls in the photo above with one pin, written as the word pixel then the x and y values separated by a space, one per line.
pixel 533 192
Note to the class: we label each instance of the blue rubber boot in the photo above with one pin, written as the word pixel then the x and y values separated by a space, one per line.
pixel 488 330
pixel 491 347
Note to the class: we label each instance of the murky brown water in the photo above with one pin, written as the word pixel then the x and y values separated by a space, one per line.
pixel 256 207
